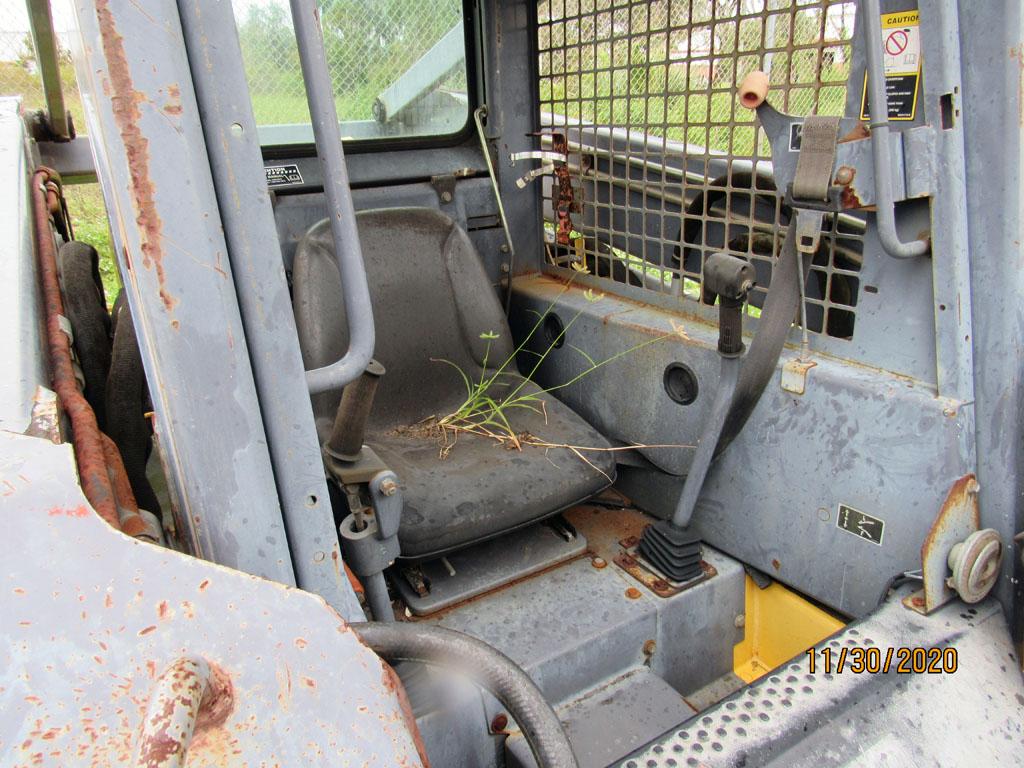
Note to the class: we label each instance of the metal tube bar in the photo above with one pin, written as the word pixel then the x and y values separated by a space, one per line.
pixel 324 114
pixel 708 442
pixel 172 714
pixel 41 22
pixel 232 144
pixel 377 596
pixel 879 124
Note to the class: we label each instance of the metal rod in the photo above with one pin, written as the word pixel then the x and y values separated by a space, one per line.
pixel 708 441
pixel 324 114
pixel 377 596
pixel 805 342
pixel 41 22
pixel 478 117
pixel 879 124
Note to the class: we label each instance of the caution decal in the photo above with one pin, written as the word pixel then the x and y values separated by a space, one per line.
pixel 901 44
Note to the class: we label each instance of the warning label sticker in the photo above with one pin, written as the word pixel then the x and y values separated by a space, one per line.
pixel 901 44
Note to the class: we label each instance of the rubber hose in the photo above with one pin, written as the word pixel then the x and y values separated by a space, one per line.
pixel 488 668
pixel 86 309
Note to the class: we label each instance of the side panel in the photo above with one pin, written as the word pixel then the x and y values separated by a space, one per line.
pixel 22 347
pixel 992 112
pixel 83 647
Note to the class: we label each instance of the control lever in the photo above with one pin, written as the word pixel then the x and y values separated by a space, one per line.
pixel 667 545
pixel 369 534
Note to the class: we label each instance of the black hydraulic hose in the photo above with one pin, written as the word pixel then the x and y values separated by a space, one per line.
pixel 487 667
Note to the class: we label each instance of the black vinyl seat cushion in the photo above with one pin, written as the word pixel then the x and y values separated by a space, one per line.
pixel 432 300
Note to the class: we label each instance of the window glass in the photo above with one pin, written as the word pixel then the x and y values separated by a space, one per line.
pixel 398 67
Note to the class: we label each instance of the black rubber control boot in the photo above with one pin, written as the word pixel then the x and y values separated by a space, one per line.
pixel 674 551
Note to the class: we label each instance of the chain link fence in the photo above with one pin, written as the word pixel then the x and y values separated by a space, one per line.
pixel 19 73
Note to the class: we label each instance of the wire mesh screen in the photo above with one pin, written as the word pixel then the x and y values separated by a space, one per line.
pixel 665 166
pixel 371 45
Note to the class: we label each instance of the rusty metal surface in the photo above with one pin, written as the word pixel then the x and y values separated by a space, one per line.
pixel 83 644
pixel 190 693
pixel 632 562
pixel 958 517
pixel 92 466
pixel 151 161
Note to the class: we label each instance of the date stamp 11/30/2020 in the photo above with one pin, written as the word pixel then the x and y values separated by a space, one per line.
pixel 873 660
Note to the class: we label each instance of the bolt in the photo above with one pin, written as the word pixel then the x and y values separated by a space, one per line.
pixel 599 562
pixel 499 723
pixel 388 487
pixel 633 593
pixel 844 175
pixel 446 197
pixel 504 248
pixel 318 557
pixel 740 621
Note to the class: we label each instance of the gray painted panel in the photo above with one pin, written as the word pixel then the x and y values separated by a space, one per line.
pixel 152 162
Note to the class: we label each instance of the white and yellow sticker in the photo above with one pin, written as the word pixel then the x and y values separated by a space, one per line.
pixel 901 52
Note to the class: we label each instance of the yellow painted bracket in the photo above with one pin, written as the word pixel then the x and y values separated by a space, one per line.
pixel 779 624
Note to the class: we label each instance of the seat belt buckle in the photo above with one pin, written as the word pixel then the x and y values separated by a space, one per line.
pixel 808 223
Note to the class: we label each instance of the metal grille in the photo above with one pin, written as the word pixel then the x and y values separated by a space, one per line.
pixel 665 165
pixel 370 44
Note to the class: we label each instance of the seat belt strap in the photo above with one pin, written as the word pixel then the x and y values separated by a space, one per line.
pixel 811 183
pixel 818 139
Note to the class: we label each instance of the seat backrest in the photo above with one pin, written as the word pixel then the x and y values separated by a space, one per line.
pixel 431 300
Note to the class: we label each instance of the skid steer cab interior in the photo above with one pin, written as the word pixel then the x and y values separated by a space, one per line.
pixel 618 383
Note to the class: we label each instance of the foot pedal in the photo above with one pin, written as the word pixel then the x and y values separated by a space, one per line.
pixel 674 551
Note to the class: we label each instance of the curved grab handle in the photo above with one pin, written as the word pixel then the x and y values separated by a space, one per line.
pixel 327 134
pixel 189 691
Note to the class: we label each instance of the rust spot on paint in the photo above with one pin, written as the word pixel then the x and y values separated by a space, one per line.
pixel 203 585
pixel 394 684
pixel 147 630
pixel 300 642
pixel 309 682
pixel 173 106
pixel 79 511
pixel 124 100
pixel 860 131
pixel 776 564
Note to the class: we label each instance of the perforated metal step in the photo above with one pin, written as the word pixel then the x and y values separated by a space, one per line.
pixel 610 721
pixel 798 716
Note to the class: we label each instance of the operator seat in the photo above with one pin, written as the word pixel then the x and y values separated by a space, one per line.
pixel 432 300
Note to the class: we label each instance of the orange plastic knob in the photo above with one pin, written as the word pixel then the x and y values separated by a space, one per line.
pixel 754 89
